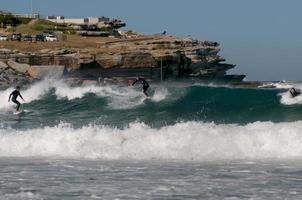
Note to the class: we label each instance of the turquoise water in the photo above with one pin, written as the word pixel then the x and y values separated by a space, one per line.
pixel 117 106
pixel 188 141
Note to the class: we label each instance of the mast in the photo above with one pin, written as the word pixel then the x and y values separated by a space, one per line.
pixel 31 8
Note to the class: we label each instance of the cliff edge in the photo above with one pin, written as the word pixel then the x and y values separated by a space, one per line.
pixel 157 57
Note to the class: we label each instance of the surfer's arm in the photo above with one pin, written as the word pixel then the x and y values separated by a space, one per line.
pixel 135 82
pixel 10 97
pixel 21 96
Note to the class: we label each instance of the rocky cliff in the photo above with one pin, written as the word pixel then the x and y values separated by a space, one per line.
pixel 153 57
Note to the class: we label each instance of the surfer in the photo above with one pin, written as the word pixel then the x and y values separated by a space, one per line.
pixel 144 83
pixel 294 92
pixel 15 95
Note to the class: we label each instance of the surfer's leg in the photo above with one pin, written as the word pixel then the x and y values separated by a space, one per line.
pixel 18 107
pixel 145 88
pixel 18 104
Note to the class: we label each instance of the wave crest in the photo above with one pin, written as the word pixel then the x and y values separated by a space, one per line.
pixel 120 97
pixel 183 141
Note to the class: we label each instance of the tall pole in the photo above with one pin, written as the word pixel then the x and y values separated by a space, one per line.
pixel 31 8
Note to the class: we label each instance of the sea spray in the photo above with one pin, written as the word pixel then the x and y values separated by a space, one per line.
pixel 120 96
pixel 191 141
pixel 34 92
pixel 287 99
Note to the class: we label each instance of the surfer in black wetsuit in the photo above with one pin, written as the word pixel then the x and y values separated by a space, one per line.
pixel 15 95
pixel 144 83
pixel 294 92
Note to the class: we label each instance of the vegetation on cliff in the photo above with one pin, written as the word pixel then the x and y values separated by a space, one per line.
pixel 9 19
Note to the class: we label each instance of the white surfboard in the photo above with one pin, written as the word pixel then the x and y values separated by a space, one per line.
pixel 18 112
pixel 147 98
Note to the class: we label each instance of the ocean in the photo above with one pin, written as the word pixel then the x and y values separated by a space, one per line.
pixel 188 141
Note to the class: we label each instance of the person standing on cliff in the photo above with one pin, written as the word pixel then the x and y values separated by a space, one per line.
pixel 15 95
pixel 144 83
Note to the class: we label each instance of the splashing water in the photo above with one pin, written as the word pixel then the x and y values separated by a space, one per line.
pixel 120 96
pixel 182 141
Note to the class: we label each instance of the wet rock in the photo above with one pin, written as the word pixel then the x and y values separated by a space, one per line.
pixel 22 68
pixel 42 71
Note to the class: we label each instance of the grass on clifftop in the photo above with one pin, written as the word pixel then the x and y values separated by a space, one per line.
pixel 38 26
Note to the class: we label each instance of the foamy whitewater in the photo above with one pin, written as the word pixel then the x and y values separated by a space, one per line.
pixel 191 141
pixel 184 142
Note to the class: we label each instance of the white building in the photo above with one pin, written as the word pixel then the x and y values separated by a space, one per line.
pixel 36 16
pixel 96 20
pixel 77 21
pixel 63 20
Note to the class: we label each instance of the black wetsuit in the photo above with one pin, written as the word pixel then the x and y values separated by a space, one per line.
pixel 294 92
pixel 15 95
pixel 144 83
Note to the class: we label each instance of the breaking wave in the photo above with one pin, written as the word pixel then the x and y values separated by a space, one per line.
pixel 286 97
pixel 191 141
pixel 120 96
pixel 179 122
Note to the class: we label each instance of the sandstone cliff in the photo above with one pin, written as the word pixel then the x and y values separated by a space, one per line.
pixel 154 57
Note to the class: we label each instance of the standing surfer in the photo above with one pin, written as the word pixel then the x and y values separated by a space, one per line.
pixel 15 95
pixel 144 83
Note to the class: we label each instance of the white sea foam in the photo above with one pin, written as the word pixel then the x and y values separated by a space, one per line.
pixel 213 85
pixel 183 141
pixel 282 85
pixel 287 99
pixel 30 94
pixel 160 94
pixel 118 96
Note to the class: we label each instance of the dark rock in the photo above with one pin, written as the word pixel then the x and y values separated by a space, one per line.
pixel 62 52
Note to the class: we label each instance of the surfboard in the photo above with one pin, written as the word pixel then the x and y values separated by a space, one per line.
pixel 147 98
pixel 18 112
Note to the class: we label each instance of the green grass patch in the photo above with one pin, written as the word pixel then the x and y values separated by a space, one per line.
pixel 161 46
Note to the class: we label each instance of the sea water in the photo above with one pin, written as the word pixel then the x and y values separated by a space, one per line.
pixel 185 142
